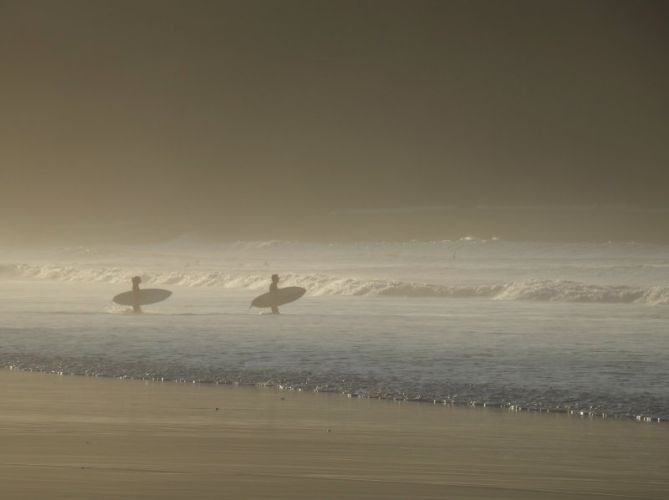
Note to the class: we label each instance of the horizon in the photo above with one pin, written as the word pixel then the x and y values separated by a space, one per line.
pixel 541 224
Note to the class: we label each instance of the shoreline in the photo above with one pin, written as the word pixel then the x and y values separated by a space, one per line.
pixel 507 407
pixel 93 437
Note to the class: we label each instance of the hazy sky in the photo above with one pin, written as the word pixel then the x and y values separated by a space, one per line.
pixel 270 118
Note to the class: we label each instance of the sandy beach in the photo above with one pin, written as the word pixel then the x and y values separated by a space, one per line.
pixel 79 437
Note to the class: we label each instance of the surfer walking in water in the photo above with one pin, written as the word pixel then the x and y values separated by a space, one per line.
pixel 136 298
pixel 136 280
pixel 277 296
pixel 273 290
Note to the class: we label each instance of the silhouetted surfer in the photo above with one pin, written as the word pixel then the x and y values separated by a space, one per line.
pixel 277 296
pixel 136 280
pixel 273 289
pixel 136 298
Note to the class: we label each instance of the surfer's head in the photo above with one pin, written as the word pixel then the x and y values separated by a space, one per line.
pixel 136 280
pixel 275 278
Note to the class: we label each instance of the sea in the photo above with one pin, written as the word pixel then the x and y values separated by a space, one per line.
pixel 577 328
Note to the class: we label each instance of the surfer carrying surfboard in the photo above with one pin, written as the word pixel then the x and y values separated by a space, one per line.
pixel 136 280
pixel 273 292
pixel 278 296
pixel 137 297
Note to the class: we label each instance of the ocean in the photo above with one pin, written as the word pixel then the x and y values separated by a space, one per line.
pixel 581 328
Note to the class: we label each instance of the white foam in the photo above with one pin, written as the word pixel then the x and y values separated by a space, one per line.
pixel 329 285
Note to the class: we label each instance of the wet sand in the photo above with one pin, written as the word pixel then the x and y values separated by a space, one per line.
pixel 84 438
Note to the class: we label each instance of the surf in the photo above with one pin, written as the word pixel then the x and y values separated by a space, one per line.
pixel 323 285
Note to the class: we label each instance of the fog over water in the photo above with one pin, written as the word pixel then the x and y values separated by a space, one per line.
pixel 333 120
pixel 473 194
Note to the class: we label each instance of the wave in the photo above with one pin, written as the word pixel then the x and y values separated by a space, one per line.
pixel 540 290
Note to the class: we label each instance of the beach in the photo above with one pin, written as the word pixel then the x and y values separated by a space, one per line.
pixel 87 437
pixel 334 250
pixel 202 397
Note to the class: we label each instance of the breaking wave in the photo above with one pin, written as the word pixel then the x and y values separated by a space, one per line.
pixel 543 290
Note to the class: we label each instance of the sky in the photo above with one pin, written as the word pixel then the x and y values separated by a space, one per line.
pixel 326 120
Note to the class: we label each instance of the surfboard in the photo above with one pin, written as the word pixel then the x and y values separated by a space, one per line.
pixel 283 296
pixel 146 296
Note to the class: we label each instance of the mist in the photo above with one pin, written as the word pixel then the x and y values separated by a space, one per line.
pixel 322 120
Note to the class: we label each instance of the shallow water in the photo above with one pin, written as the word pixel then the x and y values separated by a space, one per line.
pixel 579 349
